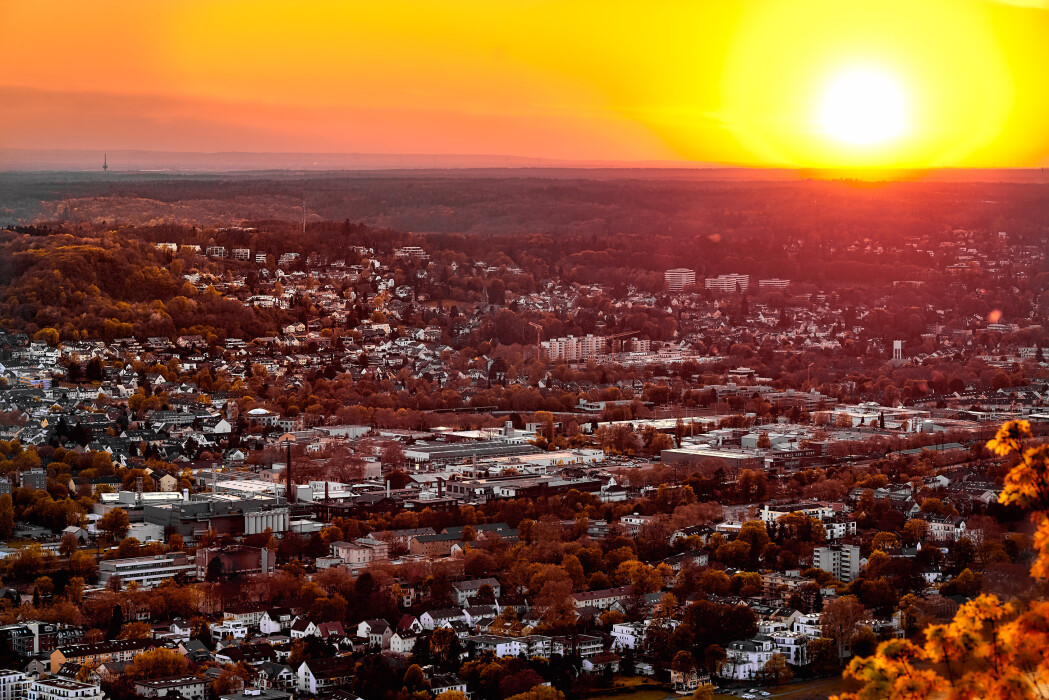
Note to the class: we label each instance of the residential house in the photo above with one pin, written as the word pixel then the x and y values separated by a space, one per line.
pixel 276 620
pixel 376 633
pixel 317 676
pixel 746 659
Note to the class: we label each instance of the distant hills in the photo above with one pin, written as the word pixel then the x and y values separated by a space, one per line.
pixel 475 165
pixel 174 161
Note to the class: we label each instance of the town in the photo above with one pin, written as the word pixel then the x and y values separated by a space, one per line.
pixel 253 462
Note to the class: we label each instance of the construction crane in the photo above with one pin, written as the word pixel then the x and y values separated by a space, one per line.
pixel 610 338
pixel 538 338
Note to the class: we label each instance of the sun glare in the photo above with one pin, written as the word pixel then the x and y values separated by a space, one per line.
pixel 863 107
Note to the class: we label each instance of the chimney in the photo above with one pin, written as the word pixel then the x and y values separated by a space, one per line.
pixel 440 487
pixel 387 488
pixel 325 490
pixel 289 486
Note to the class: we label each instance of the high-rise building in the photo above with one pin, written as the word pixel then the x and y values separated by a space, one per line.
pixel 728 284
pixel 679 278
pixel 573 349
pixel 773 283
pixel 841 560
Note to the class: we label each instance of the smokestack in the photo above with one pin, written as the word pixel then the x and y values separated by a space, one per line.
pixel 440 487
pixel 387 488
pixel 289 487
pixel 325 490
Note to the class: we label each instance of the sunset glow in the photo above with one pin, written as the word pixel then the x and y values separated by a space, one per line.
pixel 863 107
pixel 763 82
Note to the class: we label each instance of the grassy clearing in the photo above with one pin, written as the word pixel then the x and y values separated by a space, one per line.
pixel 648 693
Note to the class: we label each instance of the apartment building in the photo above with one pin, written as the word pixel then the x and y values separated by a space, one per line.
pixel 841 560
pixel 119 650
pixel 191 687
pixel 679 278
pixel 63 689
pixel 573 349
pixel 727 284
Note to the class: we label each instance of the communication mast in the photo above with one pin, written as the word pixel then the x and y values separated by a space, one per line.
pixel 105 162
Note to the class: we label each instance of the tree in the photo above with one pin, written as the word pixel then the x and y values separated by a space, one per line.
pixel 157 663
pixel 683 662
pixel 885 541
pixel 68 544
pixel 444 645
pixel 714 657
pixel 415 679
pixel 7 516
pixel 990 649
pixel 823 656
pixel 232 679
pixel 839 618
pixel 115 524
pixel 915 531
pixel 136 630
pixel 776 670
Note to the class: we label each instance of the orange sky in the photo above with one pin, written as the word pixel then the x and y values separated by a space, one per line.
pixel 732 81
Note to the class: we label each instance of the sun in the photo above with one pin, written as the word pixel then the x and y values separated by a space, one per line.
pixel 863 107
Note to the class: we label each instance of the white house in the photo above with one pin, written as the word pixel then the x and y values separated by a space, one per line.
pixel 376 632
pixel 746 659
pixel 628 635
pixel 402 642
pixel 432 619
pixel 276 620
pixel 318 676
pixel 303 628
pixel 792 645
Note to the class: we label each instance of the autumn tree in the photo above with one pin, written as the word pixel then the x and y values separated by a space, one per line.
pixel 990 649
pixel 136 630
pixel 838 620
pixel 7 516
pixel 157 663
pixel 115 524
pixel 776 670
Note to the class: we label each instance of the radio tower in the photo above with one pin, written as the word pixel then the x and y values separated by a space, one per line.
pixel 105 163
pixel 304 212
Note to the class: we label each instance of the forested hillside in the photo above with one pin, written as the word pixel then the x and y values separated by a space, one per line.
pixel 108 287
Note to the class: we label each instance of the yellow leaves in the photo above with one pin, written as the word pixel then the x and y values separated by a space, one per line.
pixel 1040 568
pixel 990 650
pixel 891 673
pixel 1009 436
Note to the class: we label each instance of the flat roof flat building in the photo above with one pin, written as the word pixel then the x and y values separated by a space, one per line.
pixel 728 284
pixel 146 571
pixel 679 278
